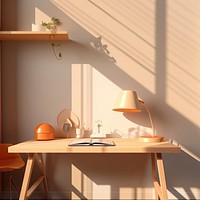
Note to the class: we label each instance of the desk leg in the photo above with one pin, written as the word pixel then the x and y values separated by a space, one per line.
pixel 160 187
pixel 27 176
pixel 25 190
pixel 42 168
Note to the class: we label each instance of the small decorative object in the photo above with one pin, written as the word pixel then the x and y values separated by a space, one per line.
pixel 52 27
pixel 128 101
pixel 38 27
pixel 98 134
pixel 67 121
pixel 99 125
pixel 44 132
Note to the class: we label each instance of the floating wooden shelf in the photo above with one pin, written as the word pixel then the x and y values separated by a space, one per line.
pixel 33 36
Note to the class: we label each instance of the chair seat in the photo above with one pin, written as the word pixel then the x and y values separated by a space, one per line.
pixel 9 161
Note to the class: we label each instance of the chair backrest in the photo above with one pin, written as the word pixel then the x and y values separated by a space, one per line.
pixel 9 161
pixel 4 150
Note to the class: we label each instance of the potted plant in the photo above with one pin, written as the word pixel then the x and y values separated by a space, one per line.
pixel 52 27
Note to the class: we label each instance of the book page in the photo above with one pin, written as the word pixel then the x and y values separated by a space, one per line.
pixel 80 142
pixel 94 142
pixel 102 142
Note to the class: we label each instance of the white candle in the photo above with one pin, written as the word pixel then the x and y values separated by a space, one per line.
pixel 78 133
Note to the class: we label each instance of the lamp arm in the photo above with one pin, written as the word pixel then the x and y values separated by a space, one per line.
pixel 150 118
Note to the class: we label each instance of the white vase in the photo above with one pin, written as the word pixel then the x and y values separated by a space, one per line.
pixel 38 27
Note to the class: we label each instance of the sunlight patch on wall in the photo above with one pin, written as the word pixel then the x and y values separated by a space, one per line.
pixel 136 193
pixel 40 16
pixel 183 50
pixel 101 191
pixel 81 96
pixel 104 96
pixel 127 27
pixel 81 183
pixel 186 193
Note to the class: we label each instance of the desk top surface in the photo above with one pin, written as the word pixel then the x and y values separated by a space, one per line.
pixel 123 145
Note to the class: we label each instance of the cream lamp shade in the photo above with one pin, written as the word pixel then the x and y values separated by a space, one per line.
pixel 127 101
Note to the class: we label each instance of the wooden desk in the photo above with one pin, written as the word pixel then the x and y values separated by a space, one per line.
pixel 33 148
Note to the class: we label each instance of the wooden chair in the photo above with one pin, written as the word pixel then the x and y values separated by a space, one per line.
pixel 10 162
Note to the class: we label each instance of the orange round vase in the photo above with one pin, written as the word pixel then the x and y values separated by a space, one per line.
pixel 44 132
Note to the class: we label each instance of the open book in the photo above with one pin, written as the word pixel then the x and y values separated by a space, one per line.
pixel 93 142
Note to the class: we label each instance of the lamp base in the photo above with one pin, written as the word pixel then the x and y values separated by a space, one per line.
pixel 152 139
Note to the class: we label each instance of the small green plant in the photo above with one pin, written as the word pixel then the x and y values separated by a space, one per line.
pixel 52 25
pixel 55 47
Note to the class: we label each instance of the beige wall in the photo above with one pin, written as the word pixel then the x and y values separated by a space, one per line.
pixel 149 46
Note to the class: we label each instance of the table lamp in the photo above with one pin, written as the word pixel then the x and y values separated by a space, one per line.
pixel 128 101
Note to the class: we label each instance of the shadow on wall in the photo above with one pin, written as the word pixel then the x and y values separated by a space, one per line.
pixel 82 173
pixel 174 120
pixel 176 125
